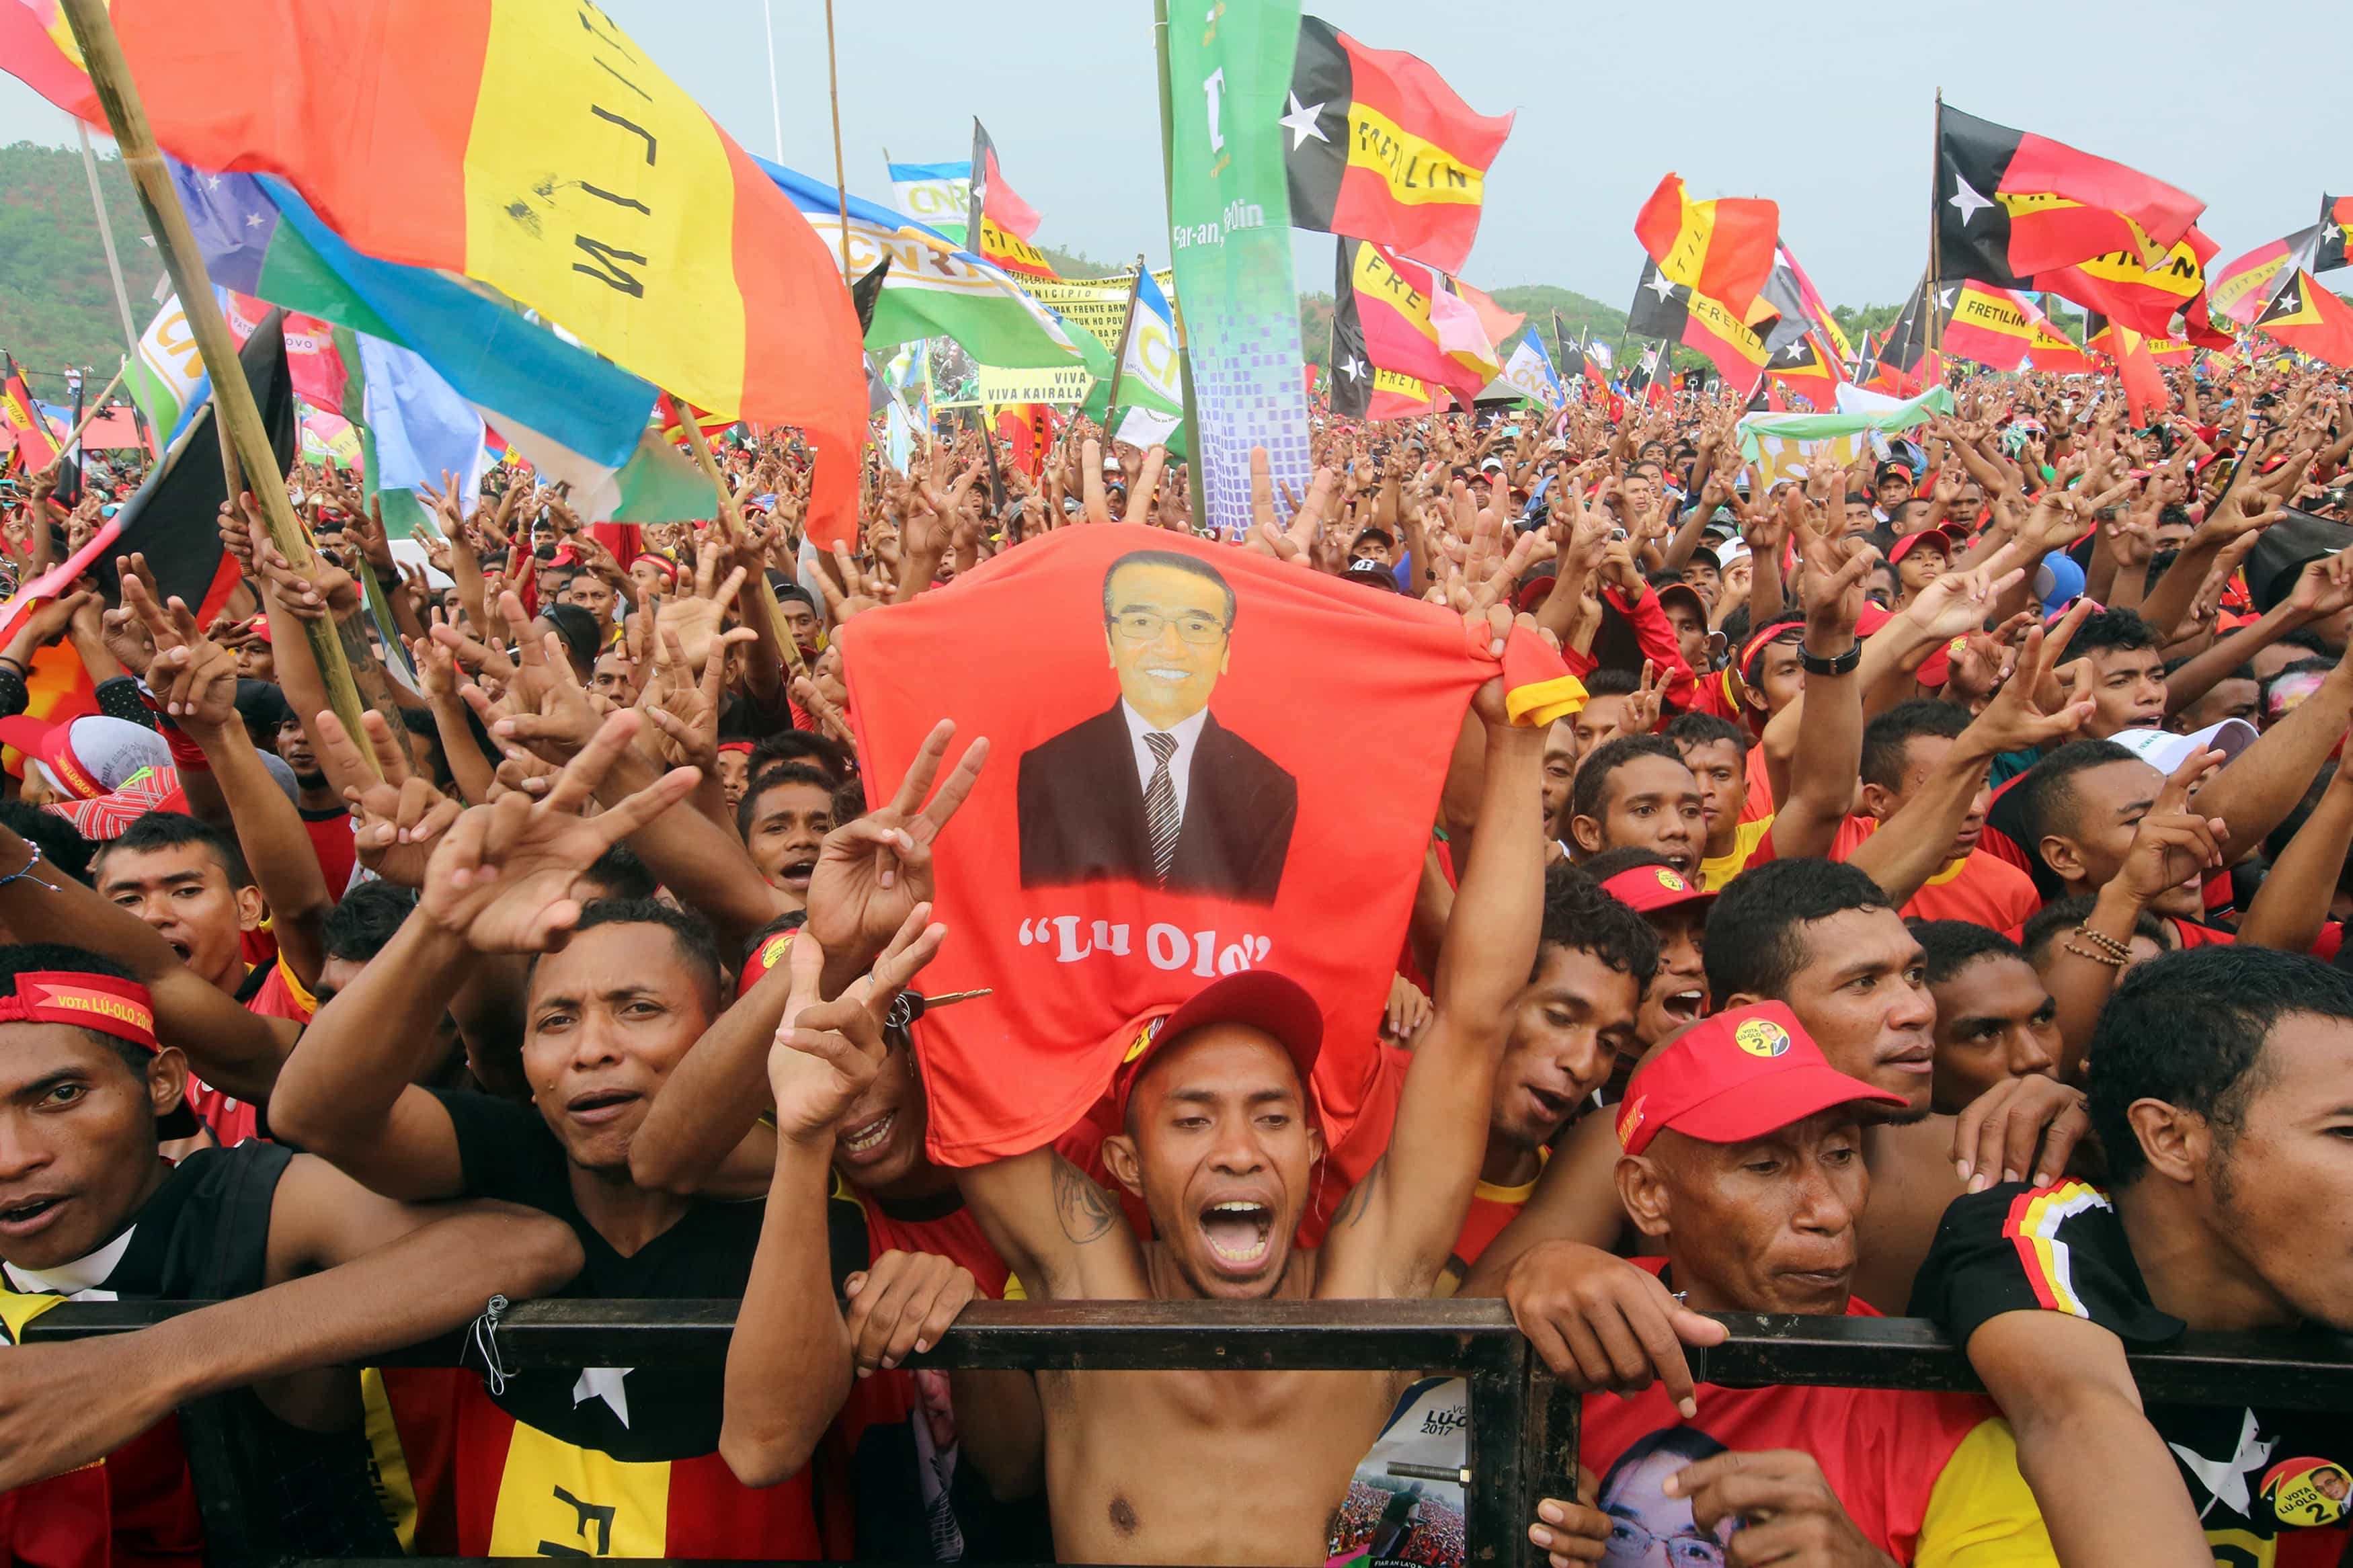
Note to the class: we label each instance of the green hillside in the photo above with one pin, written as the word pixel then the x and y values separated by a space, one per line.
pixel 56 306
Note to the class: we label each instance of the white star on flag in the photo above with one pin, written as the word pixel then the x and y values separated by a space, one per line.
pixel 1659 285
pixel 1945 299
pixel 2226 1479
pixel 1968 200
pixel 604 1382
pixel 1796 350
pixel 2287 301
pixel 253 220
pixel 1302 123
pixel 1353 367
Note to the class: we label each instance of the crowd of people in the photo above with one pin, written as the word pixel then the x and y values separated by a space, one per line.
pixel 1931 904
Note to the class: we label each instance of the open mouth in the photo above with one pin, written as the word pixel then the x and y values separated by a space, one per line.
pixel 795 874
pixel 29 1217
pixel 1683 1006
pixel 865 1140
pixel 1552 1107
pixel 181 949
pixel 599 1105
pixel 1241 1234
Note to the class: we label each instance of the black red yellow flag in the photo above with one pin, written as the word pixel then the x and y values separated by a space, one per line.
pixel 2011 204
pixel 2335 230
pixel 1722 249
pixel 2309 318
pixel 1665 308
pixel 1378 147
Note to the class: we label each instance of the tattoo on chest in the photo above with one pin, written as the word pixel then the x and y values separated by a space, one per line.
pixel 1083 1208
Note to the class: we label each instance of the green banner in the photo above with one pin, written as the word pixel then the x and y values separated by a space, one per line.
pixel 1228 75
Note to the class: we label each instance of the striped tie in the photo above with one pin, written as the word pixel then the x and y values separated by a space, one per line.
pixel 1160 814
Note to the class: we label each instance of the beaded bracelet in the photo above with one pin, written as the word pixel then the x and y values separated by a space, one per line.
pixel 27 871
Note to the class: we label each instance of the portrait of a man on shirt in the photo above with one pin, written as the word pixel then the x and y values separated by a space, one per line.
pixel 1154 790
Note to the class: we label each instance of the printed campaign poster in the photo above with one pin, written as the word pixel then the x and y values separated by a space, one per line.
pixel 1405 1505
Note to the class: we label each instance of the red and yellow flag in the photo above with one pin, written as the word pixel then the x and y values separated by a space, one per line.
pixel 1722 249
pixel 530 144
pixel 2310 320
pixel 29 433
pixel 1376 145
pixel 2144 298
pixel 1390 301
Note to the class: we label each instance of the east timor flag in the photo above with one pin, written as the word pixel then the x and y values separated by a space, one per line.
pixel 1665 308
pixel 1798 364
pixel 1380 148
pixel 2310 320
pixel 2010 203
pixel 1387 302
pixel 28 431
pixel 1723 249
pixel 533 146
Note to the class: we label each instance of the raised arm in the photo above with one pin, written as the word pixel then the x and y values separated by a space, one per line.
pixel 1828 748
pixel 1916 842
pixel 1392 1234
pixel 195 679
pixel 499 880
pixel 2263 784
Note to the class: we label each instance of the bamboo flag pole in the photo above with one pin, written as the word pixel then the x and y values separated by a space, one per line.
pixel 764 592
pixel 1936 257
pixel 238 415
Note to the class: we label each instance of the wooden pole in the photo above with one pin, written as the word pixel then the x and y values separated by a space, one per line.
pixel 106 237
pixel 1196 502
pixel 1935 252
pixel 840 175
pixel 239 416
pixel 1119 353
pixel 764 592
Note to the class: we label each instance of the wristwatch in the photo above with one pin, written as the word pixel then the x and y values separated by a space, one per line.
pixel 1815 664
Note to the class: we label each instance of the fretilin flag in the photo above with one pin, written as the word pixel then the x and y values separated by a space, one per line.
pixel 1378 147
pixel 2144 298
pixel 1390 302
pixel 1665 308
pixel 2000 329
pixel 2308 318
pixel 1722 249
pixel 1803 347
pixel 2241 289
pixel 2011 204
pixel 27 431
pixel 2102 336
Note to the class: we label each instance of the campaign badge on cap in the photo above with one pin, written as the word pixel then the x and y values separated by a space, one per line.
pixel 1670 881
pixel 1761 1037
pixel 1143 1037
pixel 1632 1119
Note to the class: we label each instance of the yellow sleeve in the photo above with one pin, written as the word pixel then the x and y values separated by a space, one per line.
pixel 294 988
pixel 1981 1514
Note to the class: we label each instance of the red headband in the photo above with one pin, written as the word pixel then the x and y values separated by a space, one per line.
pixel 119 1007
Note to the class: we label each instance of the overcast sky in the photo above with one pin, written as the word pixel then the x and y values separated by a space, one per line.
pixel 1826 109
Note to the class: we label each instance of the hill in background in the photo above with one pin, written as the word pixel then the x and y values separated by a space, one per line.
pixel 57 306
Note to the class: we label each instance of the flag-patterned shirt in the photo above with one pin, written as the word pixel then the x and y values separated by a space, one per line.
pixel 596 1461
pixel 2270 1487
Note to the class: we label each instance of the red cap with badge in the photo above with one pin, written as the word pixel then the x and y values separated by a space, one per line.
pixel 1644 889
pixel 1738 1075
pixel 1272 1003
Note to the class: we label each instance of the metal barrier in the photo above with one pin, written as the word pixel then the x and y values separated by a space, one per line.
pixel 1522 1444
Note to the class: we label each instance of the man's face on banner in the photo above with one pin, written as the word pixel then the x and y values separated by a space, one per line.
pixel 1167 636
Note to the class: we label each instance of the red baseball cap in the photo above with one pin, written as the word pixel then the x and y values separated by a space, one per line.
pixel 1872 618
pixel 1644 889
pixel 1738 1075
pixel 1938 667
pixel 1272 1003
pixel 1910 541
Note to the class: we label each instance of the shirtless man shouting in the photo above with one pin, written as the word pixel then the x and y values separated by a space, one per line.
pixel 1221 1142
